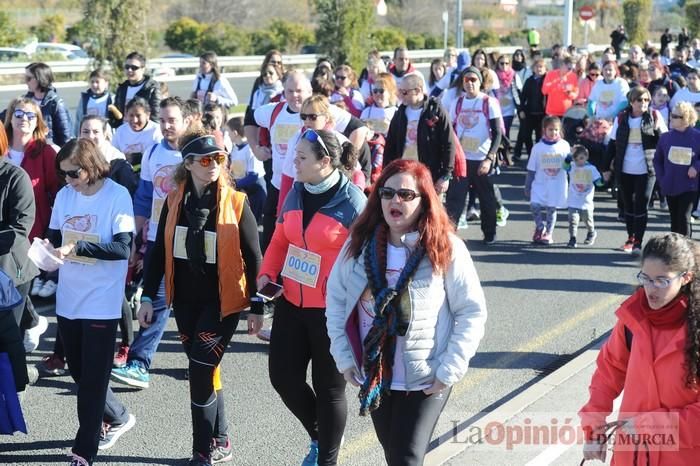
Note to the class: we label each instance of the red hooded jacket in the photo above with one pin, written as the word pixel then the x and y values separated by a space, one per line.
pixel 40 164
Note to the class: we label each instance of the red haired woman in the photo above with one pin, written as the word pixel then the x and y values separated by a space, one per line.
pixel 405 310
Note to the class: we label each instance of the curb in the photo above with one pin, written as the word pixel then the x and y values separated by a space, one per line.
pixel 515 405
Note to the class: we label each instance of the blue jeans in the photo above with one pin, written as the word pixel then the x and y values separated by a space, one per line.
pixel 146 342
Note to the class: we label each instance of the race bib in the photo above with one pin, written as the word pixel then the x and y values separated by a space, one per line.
pixel 551 164
pixel 606 97
pixel 282 133
pixel 238 169
pixel 180 252
pixel 72 236
pixel 156 209
pixel 410 152
pixel 302 266
pixel 505 101
pixel 635 136
pixel 378 126
pixel 680 155
pixel 470 144
pixel 582 177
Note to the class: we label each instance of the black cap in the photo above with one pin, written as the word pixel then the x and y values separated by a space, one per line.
pixel 203 145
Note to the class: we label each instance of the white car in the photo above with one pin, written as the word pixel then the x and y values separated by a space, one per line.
pixel 68 51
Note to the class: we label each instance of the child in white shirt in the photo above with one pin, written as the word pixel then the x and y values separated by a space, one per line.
pixel 247 171
pixel 583 178
pixel 138 133
pixel 546 183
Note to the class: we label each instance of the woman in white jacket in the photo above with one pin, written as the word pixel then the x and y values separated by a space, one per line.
pixel 405 310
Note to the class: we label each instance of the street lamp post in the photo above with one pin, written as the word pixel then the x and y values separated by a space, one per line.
pixel 460 26
pixel 445 21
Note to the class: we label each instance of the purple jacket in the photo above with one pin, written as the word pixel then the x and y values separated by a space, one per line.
pixel 671 161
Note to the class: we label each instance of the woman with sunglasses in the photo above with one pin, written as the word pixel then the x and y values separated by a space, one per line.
pixel 377 116
pixel 677 164
pixel 138 84
pixel 207 248
pixel 91 229
pixel 507 93
pixel 29 149
pixel 651 361
pixel 39 79
pixel 270 88
pixel 659 78
pixel 405 310
pixel 311 229
pixel 346 90
pixel 633 139
pixel 585 84
pixel 273 58
pixel 609 95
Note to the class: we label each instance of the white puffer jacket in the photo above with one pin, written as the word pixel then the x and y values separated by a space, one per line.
pixel 448 316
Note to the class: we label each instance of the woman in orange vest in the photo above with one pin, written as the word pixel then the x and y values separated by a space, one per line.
pixel 207 248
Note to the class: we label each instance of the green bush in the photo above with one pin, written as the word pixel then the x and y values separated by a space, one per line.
pixel 225 40
pixel 291 37
pixel 387 39
pixel 185 35
pixel 10 35
pixel 415 42
pixel 637 19
pixel 51 28
pixel 262 41
pixel 482 39
pixel 692 17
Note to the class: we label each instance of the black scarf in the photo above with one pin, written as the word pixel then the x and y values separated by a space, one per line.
pixel 197 210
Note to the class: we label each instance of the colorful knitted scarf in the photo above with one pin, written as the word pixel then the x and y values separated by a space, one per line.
pixel 380 343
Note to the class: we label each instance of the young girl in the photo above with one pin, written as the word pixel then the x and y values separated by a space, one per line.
pixel 378 115
pixel 138 134
pixel 546 183
pixel 659 102
pixel 652 355
pixel 247 171
pixel 583 177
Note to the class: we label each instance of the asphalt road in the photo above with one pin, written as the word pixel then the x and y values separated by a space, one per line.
pixel 544 304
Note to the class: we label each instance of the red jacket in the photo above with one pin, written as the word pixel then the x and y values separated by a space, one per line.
pixel 40 164
pixel 560 91
pixel 652 375
pixel 324 235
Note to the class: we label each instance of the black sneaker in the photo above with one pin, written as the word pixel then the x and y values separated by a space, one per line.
pixel 221 453
pixel 111 433
pixel 572 243
pixel 489 240
pixel 199 459
pixel 590 238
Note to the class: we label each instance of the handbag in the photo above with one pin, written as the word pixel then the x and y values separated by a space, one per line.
pixel 11 417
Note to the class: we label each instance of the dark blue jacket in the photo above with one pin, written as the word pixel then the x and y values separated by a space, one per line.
pixel 56 117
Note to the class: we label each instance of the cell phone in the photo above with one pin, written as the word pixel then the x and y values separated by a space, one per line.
pixel 269 291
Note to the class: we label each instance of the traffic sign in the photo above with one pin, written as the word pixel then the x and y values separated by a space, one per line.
pixel 586 12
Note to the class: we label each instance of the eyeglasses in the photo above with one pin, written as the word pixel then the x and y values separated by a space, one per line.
pixel 642 99
pixel 132 67
pixel 660 282
pixel 594 75
pixel 377 90
pixel 404 194
pixel 312 136
pixel 340 78
pixel 309 116
pixel 471 79
pixel 405 92
pixel 206 160
pixel 19 114
pixel 676 117
pixel 269 73
pixel 75 174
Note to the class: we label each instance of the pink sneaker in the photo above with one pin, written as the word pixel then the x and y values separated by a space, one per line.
pixel 546 238
pixel 121 357
pixel 537 236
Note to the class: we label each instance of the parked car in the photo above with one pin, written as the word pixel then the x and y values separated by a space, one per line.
pixel 68 51
pixel 11 54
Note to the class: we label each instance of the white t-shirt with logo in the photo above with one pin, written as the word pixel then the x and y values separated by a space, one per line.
pixel 97 105
pixel 473 127
pixel 410 148
pixel 243 162
pixel 582 186
pixel 396 258
pixel 608 97
pixel 158 167
pixel 549 188
pixel 128 141
pixel 287 124
pixel 110 152
pixel 92 291
pixel 378 119
pixel 684 95
pixel 15 157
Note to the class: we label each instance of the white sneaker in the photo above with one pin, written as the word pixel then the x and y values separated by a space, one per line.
pixel 264 334
pixel 32 335
pixel 48 289
pixel 36 286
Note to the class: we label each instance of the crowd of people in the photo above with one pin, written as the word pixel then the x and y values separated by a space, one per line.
pixel 334 204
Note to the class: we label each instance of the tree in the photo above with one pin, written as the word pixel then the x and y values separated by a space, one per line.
pixel 185 35
pixel 692 17
pixel 291 36
pixel 116 28
pixel 387 38
pixel 225 40
pixel 10 36
pixel 51 28
pixel 344 28
pixel 637 19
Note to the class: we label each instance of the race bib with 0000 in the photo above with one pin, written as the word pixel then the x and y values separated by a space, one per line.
pixel 302 266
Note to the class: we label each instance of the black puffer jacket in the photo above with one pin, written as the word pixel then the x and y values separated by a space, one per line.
pixel 56 117
pixel 150 91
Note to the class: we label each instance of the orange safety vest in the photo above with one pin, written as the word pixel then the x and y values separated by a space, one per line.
pixel 233 290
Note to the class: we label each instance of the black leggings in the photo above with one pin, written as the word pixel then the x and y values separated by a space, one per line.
pixel 680 207
pixel 11 338
pixel 299 336
pixel 205 337
pixel 484 188
pixel 89 347
pixel 404 423
pixel 269 217
pixel 636 192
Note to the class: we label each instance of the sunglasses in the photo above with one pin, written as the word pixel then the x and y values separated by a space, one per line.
pixel 405 92
pixel 377 90
pixel 676 117
pixel 19 114
pixel 269 73
pixel 404 194
pixel 206 160
pixel 340 78
pixel 131 67
pixel 309 116
pixel 595 75
pixel 312 136
pixel 75 174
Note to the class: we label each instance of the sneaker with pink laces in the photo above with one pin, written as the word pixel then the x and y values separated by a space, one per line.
pixel 546 238
pixel 629 245
pixel 537 235
pixel 77 460
pixel 52 365
pixel 121 357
